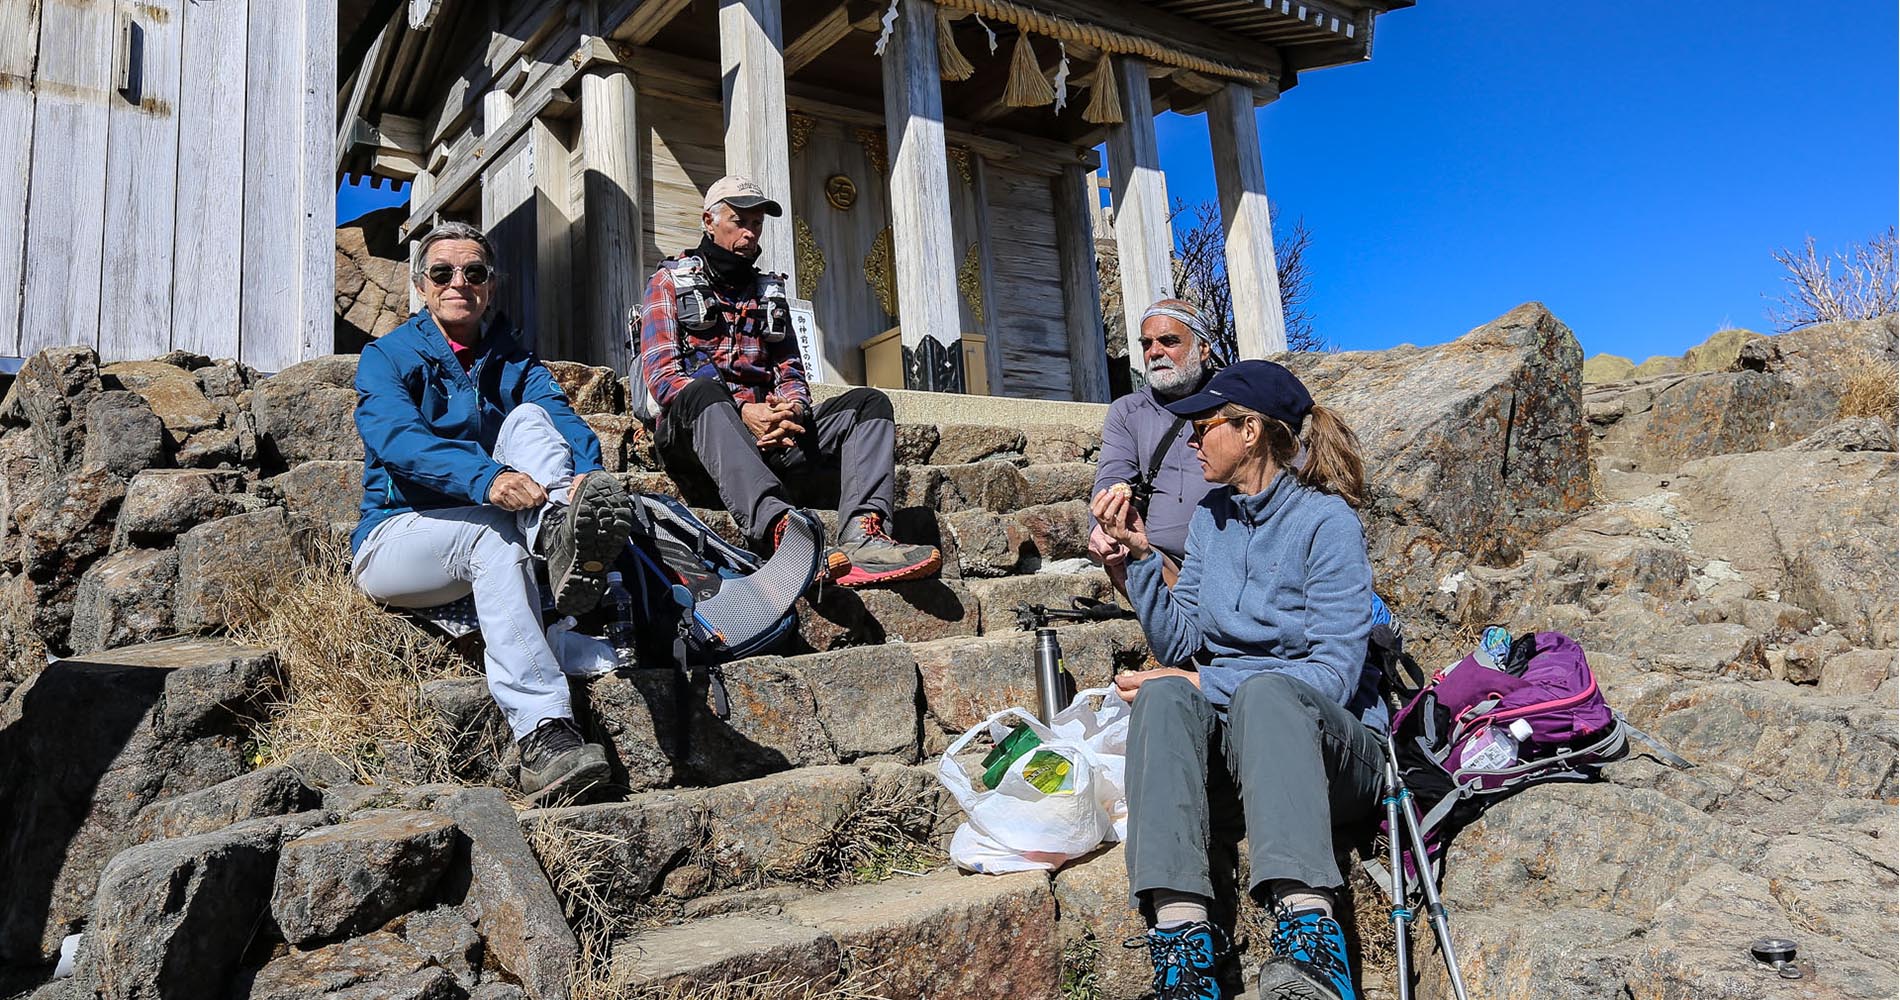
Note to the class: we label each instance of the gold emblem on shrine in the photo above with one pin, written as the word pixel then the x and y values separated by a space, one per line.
pixel 841 192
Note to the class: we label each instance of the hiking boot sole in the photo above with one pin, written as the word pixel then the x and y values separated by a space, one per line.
pixel 1279 982
pixel 859 576
pixel 577 772
pixel 600 520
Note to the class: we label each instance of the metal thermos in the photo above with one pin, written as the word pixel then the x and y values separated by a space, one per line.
pixel 1054 690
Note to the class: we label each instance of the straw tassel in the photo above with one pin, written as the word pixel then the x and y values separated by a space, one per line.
pixel 1027 87
pixel 950 62
pixel 1105 104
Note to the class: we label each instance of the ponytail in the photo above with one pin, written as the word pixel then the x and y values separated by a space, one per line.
pixel 1332 462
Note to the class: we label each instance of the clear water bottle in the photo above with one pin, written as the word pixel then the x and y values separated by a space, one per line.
pixel 620 630
pixel 1495 748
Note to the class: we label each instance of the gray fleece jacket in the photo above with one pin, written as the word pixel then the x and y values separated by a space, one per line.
pixel 1277 580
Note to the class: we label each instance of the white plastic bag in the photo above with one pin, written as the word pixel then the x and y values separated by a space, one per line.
pixel 580 655
pixel 1018 827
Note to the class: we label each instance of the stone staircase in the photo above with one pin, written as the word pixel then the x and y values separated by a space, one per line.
pixel 795 848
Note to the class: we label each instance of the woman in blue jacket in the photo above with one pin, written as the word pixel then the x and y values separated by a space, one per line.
pixel 474 465
pixel 1265 637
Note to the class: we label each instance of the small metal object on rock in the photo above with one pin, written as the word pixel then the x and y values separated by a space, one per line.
pixel 1777 954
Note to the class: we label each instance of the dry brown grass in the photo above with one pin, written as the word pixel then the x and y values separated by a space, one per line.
pixel 352 673
pixel 885 834
pixel 1872 390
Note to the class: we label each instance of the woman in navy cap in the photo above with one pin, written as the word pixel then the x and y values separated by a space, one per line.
pixel 1264 637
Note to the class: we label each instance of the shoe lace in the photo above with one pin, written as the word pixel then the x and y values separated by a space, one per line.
pixel 873 527
pixel 1180 961
pixel 551 738
pixel 1304 939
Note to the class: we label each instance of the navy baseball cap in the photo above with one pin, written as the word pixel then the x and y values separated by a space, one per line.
pixel 1261 386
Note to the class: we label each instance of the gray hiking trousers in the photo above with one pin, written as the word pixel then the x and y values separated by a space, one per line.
pixel 1302 764
pixel 852 436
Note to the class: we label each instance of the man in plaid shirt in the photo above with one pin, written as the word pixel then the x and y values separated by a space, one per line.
pixel 730 400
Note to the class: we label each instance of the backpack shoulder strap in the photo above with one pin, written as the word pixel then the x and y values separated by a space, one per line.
pixel 1161 449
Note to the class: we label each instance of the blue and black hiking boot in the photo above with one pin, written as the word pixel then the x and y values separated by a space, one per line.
pixel 1185 960
pixel 581 538
pixel 1309 959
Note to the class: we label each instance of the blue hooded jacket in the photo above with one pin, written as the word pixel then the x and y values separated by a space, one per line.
pixel 428 426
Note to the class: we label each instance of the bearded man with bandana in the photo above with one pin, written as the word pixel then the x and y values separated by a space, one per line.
pixel 1145 448
pixel 726 388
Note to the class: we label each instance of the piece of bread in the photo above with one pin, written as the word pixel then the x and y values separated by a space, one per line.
pixel 1122 490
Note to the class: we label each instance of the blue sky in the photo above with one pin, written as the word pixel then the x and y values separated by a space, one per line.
pixel 1631 166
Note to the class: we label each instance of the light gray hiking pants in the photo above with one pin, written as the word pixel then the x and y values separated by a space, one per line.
pixel 420 559
pixel 1302 764
pixel 852 436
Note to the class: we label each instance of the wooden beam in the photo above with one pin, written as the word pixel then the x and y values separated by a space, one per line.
pixel 612 215
pixel 758 146
pixel 818 39
pixel 315 221
pixel 552 314
pixel 920 201
pixel 535 97
pixel 210 180
pixel 422 14
pixel 1075 200
pixel 19 46
pixel 459 102
pixel 1259 325
pixel 141 155
pixel 645 19
pixel 1142 236
pixel 368 75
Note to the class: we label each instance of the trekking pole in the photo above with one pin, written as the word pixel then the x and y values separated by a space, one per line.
pixel 1401 913
pixel 1434 906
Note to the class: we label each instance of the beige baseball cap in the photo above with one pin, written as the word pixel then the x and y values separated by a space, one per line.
pixel 740 193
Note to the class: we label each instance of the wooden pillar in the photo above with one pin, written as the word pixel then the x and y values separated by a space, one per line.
pixel 1081 299
pixel 616 279
pixel 551 319
pixel 1142 236
pixel 1259 323
pixel 758 145
pixel 420 187
pixel 920 203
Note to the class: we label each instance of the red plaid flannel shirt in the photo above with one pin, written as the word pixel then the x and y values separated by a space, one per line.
pixel 750 366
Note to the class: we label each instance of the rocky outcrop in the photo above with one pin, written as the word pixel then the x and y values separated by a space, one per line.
pixel 1731 578
pixel 372 277
pixel 1474 448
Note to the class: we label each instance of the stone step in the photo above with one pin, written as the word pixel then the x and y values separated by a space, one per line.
pixel 939 935
pixel 898 701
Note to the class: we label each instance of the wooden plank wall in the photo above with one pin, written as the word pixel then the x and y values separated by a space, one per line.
pixel 683 145
pixel 19 45
pixel 1027 277
pixel 138 197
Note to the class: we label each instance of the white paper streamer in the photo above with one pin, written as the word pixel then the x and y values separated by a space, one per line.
pixel 986 30
pixel 1062 78
pixel 890 24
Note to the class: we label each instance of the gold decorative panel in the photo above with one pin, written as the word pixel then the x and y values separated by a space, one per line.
pixel 873 142
pixel 880 271
pixel 970 282
pixel 800 128
pixel 960 155
pixel 809 257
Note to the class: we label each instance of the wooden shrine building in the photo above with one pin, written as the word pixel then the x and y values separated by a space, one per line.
pixel 935 159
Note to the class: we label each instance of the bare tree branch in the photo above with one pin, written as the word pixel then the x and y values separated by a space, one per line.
pixel 1867 286
pixel 1200 272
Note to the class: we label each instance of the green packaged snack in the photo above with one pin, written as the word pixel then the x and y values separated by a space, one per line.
pixel 1049 772
pixel 1020 741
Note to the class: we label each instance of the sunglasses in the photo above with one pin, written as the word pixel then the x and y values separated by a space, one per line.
pixel 1201 427
pixel 1168 341
pixel 475 274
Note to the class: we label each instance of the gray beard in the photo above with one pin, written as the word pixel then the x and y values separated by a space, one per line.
pixel 1176 383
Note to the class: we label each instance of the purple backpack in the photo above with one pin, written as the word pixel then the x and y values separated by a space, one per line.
pixel 1474 733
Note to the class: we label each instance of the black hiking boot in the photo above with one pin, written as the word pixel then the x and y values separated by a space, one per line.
pixel 555 759
pixel 581 539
